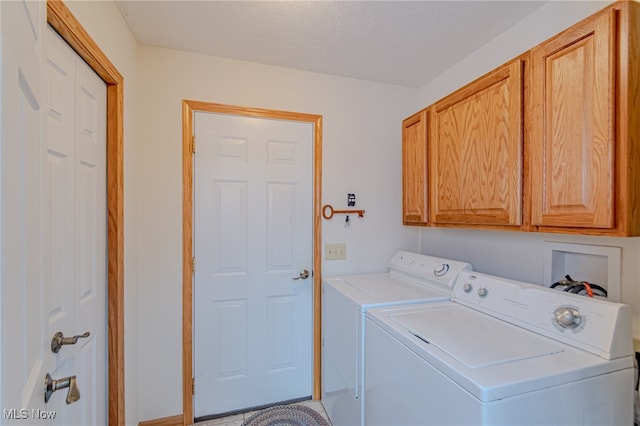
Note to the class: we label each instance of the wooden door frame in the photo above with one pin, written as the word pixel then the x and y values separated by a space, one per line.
pixel 188 110
pixel 70 29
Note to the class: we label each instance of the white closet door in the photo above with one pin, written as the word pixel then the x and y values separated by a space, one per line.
pixel 53 223
pixel 23 338
pixel 74 225
pixel 253 231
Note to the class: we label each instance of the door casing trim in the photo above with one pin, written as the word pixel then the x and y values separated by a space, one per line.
pixel 62 20
pixel 188 110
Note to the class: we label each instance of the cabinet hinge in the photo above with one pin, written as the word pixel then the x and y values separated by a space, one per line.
pixel 193 144
pixel 193 386
pixel 193 265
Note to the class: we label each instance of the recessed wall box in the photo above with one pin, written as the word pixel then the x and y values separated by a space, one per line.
pixel 596 264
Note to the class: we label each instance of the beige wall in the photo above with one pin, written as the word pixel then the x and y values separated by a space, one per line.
pixel 361 154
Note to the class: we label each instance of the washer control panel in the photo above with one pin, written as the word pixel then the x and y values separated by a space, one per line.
pixel 568 317
pixel 594 325
pixel 425 268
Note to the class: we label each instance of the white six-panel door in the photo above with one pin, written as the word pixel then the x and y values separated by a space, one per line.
pixel 253 232
pixel 74 229
pixel 53 224
pixel 22 291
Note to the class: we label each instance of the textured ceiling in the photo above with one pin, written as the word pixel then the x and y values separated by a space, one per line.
pixel 398 42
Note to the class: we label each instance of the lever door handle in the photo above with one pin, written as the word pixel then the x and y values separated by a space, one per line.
pixel 303 275
pixel 51 385
pixel 58 340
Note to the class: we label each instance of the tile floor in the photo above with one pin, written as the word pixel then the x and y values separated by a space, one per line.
pixel 237 419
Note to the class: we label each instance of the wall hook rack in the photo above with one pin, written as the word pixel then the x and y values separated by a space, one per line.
pixel 328 212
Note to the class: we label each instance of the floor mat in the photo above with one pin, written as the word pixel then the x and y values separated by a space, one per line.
pixel 287 415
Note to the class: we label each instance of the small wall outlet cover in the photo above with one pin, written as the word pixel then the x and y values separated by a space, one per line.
pixel 335 251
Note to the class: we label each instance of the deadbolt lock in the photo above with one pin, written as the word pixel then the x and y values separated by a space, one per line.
pixel 51 385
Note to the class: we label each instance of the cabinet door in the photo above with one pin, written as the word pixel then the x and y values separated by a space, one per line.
pixel 573 126
pixel 414 169
pixel 476 151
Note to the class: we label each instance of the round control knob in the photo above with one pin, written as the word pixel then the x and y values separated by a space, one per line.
pixel 482 292
pixel 467 287
pixel 568 317
pixel 444 268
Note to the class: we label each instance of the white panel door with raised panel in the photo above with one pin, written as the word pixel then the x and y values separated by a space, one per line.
pixel 23 338
pixel 253 234
pixel 74 230
pixel 53 252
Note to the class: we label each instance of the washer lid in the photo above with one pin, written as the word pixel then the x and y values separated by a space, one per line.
pixel 488 357
pixel 474 339
pixel 370 290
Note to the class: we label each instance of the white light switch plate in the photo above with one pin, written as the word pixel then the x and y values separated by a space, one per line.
pixel 335 251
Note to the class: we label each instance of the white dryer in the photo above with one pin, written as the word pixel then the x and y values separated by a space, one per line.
pixel 411 278
pixel 501 352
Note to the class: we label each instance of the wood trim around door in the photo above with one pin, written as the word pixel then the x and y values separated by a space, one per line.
pixel 188 109
pixel 62 20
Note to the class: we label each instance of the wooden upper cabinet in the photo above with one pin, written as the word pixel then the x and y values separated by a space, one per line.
pixel 573 126
pixel 584 129
pixel 414 169
pixel 548 142
pixel 476 151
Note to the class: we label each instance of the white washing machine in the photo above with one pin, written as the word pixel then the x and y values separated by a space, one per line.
pixel 500 352
pixel 411 278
